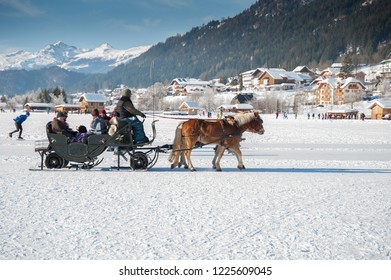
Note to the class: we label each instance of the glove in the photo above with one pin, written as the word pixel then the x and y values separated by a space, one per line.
pixel 143 115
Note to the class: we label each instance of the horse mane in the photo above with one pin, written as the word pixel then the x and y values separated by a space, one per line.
pixel 244 117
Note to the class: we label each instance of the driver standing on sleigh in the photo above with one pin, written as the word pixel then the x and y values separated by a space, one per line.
pixel 127 112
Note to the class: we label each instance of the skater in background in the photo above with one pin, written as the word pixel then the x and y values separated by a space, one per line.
pixel 18 124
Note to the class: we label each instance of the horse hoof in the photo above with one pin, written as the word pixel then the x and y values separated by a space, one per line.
pixel 172 166
pixel 241 167
pixel 193 170
pixel 219 169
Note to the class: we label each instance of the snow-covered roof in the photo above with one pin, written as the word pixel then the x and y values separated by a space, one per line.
pixel 190 105
pixel 351 80
pixel 332 70
pixel 68 106
pixel 47 105
pixel 93 97
pixel 333 82
pixel 189 81
pixel 281 73
pixel 382 104
pixel 241 106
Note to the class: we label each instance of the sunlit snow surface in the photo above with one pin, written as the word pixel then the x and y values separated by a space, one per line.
pixel 312 189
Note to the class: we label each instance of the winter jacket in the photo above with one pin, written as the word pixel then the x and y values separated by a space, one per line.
pixel 126 109
pixel 98 126
pixel 20 119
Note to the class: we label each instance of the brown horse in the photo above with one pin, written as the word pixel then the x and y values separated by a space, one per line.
pixel 225 133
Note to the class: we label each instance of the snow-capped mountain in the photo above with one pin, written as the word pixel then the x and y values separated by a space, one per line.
pixel 99 60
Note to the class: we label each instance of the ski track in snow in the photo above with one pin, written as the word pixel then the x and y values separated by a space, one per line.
pixel 312 189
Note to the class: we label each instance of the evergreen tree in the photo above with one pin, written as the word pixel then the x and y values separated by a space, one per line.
pixel 347 65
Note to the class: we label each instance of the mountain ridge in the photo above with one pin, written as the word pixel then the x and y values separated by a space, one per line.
pixel 101 59
pixel 270 33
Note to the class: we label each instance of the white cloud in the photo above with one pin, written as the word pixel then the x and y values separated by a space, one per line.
pixel 23 6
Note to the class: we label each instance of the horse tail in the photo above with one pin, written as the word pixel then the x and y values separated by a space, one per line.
pixel 177 144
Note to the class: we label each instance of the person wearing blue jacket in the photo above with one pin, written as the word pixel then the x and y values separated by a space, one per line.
pixel 18 124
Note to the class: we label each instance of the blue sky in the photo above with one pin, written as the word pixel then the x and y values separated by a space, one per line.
pixel 32 24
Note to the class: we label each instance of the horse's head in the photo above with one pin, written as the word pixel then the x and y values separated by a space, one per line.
pixel 256 124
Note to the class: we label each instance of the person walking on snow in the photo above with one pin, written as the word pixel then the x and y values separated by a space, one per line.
pixel 18 124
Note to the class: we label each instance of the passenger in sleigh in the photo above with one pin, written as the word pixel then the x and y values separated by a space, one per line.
pixel 82 135
pixel 60 125
pixel 98 125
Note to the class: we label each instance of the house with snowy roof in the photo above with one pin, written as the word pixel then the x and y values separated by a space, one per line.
pixel 234 108
pixel 304 70
pixel 331 72
pixel 379 109
pixel 39 107
pixel 281 79
pixel 190 107
pixel 337 91
pixel 352 90
pixel 90 101
pixel 386 68
pixel 187 86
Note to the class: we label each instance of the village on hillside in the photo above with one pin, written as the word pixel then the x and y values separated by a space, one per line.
pixel 330 93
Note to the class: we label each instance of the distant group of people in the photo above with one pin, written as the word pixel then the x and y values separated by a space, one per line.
pixel 100 124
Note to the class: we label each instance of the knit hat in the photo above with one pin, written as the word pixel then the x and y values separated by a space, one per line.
pixel 102 112
pixel 127 93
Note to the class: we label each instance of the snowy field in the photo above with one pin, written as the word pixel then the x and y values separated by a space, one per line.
pixel 311 190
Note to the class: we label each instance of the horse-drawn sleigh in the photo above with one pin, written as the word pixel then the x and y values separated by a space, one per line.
pixel 59 152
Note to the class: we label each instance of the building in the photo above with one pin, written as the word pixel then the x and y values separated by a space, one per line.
pixel 39 107
pixel 190 107
pixel 90 101
pixel 304 70
pixel 336 91
pixel 386 68
pixel 281 79
pixel 187 86
pixel 379 109
pixel 235 108
pixel 70 108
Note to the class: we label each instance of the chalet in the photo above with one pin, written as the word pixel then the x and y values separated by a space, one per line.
pixel 70 108
pixel 190 107
pixel 379 109
pixel 39 107
pixel 331 72
pixel 304 70
pixel 328 92
pixel 90 101
pixel 281 79
pixel 249 78
pixel 242 98
pixel 353 90
pixel 182 86
pixel 235 108
pixel 335 91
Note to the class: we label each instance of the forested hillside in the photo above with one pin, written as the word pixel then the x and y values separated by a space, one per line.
pixel 271 33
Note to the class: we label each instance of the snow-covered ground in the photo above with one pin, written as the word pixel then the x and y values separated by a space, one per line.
pixel 312 189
